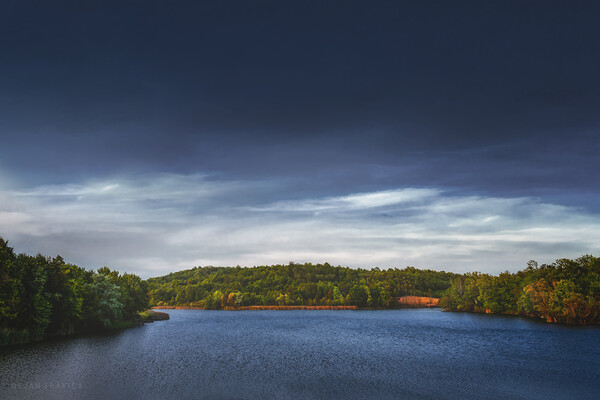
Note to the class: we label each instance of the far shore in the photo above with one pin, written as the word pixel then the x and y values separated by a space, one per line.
pixel 401 302
pixel 247 308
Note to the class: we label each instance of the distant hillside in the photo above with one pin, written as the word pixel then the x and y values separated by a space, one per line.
pixel 294 284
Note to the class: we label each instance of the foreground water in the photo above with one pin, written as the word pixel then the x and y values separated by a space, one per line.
pixel 396 354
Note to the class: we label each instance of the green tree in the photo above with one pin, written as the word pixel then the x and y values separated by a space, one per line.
pixel 107 309
pixel 8 285
pixel 134 295
pixel 34 311
pixel 338 298
pixel 359 296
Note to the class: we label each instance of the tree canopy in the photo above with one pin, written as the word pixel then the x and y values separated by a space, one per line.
pixel 42 296
pixel 566 291
pixel 294 284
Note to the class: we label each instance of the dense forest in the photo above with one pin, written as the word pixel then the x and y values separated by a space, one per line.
pixel 567 291
pixel 41 297
pixel 293 285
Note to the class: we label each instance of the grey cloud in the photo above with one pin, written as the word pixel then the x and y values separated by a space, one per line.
pixel 118 223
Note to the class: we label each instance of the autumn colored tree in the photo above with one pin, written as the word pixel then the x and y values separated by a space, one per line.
pixel 567 291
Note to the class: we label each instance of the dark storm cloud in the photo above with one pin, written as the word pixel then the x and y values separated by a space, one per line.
pixel 218 85
pixel 304 102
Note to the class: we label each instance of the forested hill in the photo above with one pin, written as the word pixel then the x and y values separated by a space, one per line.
pixel 294 284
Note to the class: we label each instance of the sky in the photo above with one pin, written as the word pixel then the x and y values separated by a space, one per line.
pixel 153 136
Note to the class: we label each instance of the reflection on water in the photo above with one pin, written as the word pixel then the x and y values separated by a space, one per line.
pixel 395 354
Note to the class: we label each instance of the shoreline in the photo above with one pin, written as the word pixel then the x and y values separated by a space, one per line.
pixel 20 337
pixel 400 302
pixel 258 308
pixel 417 302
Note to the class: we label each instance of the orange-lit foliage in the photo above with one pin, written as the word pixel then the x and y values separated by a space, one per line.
pixel 567 291
pixel 246 308
pixel 417 301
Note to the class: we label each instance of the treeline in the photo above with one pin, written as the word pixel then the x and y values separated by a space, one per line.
pixel 42 296
pixel 566 291
pixel 294 285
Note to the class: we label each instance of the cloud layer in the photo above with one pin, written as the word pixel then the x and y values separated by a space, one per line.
pixel 157 224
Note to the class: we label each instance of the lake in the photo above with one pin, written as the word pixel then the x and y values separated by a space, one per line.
pixel 391 354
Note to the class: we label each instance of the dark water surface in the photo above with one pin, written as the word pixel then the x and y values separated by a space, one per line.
pixel 395 354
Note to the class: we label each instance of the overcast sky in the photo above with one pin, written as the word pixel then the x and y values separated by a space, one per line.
pixel 156 136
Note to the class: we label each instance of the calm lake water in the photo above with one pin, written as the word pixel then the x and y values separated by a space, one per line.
pixel 395 354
